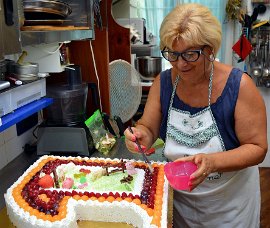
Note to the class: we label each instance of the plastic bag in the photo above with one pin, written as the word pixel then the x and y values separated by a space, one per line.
pixel 103 140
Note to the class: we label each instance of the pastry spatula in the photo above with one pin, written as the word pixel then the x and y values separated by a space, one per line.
pixel 142 152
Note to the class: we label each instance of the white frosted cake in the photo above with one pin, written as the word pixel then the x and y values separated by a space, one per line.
pixel 58 191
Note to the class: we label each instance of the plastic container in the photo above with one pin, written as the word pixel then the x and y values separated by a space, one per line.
pixel 69 106
pixel 178 174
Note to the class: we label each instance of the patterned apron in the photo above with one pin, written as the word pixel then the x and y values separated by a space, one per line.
pixel 217 201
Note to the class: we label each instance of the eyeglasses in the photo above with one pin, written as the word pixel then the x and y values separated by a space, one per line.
pixel 189 56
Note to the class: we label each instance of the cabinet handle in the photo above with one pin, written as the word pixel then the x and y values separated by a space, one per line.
pixel 8 8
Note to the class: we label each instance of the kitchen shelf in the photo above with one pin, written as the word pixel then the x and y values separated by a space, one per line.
pixel 47 37
pixel 265 2
pixel 53 28
pixel 23 112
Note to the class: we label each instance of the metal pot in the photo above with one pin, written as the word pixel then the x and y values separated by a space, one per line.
pixel 45 9
pixel 149 67
pixel 26 69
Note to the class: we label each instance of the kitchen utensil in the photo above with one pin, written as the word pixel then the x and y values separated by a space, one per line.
pixel 4 84
pixel 261 23
pixel 265 70
pixel 45 9
pixel 22 57
pixel 256 72
pixel 25 77
pixel 254 14
pixel 69 106
pixel 149 67
pixel 178 174
pixel 142 152
pixel 125 89
pixel 267 84
pixel 13 81
pixel 26 69
pixel 261 8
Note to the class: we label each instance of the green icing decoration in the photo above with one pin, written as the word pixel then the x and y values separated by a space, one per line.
pixel 104 183
pixel 83 180
pixel 127 187
pixel 112 183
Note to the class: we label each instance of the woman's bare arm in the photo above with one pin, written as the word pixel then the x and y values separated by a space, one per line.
pixel 147 128
pixel 251 130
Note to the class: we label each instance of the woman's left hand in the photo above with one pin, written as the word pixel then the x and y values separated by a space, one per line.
pixel 205 166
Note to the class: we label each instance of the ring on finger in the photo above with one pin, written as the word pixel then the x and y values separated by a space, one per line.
pixel 204 173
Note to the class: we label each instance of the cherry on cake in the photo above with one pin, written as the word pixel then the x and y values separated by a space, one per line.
pixel 58 191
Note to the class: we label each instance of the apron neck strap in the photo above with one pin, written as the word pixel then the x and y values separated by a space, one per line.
pixel 210 84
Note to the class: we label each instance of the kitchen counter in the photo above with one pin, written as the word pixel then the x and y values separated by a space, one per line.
pixel 120 151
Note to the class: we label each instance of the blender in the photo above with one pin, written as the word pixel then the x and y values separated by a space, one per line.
pixel 64 131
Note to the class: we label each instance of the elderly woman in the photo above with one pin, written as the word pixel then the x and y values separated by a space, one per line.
pixel 211 114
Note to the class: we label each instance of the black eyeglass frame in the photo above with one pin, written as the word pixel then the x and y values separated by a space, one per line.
pixel 176 53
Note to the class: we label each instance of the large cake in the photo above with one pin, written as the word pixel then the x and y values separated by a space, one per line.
pixel 58 191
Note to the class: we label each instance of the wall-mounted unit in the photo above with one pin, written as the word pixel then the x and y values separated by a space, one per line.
pixel 49 21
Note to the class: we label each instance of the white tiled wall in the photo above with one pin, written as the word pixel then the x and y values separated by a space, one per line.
pixel 3 157
pixel 1 138
pixel 11 145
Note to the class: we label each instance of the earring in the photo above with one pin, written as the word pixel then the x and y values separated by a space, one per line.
pixel 212 58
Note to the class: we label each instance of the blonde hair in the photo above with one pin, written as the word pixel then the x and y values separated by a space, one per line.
pixel 193 23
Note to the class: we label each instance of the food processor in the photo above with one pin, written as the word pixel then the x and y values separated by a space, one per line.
pixel 64 131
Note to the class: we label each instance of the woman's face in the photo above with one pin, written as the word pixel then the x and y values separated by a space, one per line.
pixel 187 69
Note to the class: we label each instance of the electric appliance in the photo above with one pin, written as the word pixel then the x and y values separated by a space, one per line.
pixel 137 25
pixel 145 50
pixel 46 21
pixel 149 67
pixel 64 131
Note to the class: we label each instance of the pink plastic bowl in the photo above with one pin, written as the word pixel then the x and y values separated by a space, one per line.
pixel 178 174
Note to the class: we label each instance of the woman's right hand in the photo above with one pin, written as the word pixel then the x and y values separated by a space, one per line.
pixel 130 139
